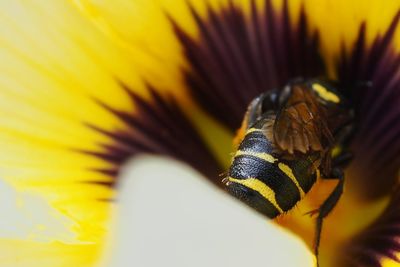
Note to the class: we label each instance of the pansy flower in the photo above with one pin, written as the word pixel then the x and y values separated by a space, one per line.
pixel 86 85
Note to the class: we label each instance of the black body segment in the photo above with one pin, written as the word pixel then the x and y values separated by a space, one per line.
pixel 270 178
pixel 302 170
pixel 254 199
pixel 286 192
pixel 255 142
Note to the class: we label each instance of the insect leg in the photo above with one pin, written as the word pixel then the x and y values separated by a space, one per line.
pixel 257 107
pixel 345 134
pixel 344 156
pixel 264 102
pixel 328 205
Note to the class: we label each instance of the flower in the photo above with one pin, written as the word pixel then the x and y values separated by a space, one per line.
pixel 85 85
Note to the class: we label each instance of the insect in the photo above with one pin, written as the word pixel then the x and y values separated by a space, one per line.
pixel 292 137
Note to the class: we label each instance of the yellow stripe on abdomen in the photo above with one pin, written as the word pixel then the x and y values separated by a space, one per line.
pixel 265 156
pixel 259 187
pixel 289 173
pixel 271 159
pixel 250 130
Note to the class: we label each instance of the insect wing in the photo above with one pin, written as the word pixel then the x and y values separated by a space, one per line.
pixel 301 124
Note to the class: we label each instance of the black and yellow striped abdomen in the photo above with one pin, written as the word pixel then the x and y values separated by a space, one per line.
pixel 261 178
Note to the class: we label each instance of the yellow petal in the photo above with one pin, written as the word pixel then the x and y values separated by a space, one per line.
pixel 339 22
pixel 389 263
pixel 35 234
pixel 16 253
pixel 54 63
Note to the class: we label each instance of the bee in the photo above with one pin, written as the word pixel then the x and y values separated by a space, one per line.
pixel 292 137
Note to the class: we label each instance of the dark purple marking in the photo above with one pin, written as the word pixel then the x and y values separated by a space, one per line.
pixel 158 126
pixel 236 59
pixel 377 141
pixel 379 240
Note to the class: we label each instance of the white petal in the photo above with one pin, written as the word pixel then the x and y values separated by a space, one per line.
pixel 171 216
